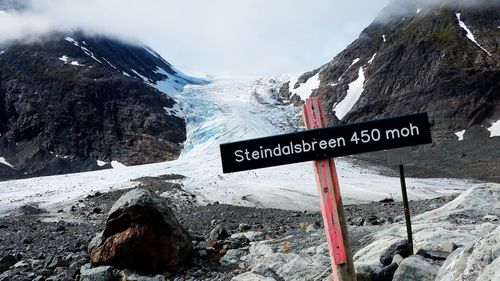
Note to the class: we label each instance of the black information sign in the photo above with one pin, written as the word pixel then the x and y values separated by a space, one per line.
pixel 326 143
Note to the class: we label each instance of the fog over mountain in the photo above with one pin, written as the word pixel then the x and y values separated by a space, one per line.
pixel 222 37
pixel 398 8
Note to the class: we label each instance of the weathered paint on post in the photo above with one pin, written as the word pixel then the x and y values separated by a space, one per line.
pixel 331 202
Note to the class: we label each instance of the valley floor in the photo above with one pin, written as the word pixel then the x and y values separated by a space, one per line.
pixel 36 235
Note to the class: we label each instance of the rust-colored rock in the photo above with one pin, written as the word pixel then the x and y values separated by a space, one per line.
pixel 142 233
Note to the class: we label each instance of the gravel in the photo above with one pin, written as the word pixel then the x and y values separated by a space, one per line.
pixel 60 239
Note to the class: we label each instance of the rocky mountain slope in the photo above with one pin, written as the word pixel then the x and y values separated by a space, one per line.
pixel 422 56
pixel 75 102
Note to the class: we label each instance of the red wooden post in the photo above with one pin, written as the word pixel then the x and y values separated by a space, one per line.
pixel 331 202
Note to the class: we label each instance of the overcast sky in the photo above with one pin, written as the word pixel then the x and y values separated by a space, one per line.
pixel 218 37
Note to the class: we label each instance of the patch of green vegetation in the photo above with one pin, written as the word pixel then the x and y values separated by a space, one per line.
pixel 444 36
pixel 376 33
pixel 492 34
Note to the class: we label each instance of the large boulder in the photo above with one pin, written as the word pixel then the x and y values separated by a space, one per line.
pixel 142 233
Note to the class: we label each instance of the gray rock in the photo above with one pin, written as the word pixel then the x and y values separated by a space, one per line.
pixel 313 227
pixel 244 227
pixel 372 220
pixel 202 245
pixel 358 221
pixel 203 254
pixel 232 257
pixel 479 260
pixel 397 259
pixel 23 264
pixel 249 276
pixel 400 247
pixel 491 218
pixel 101 273
pixel 74 268
pixel 385 273
pixel 436 255
pixel 416 268
pixel 45 272
pixel 6 262
pixel 218 233
pixel 6 275
pixel 52 262
pixel 198 273
pixel 239 242
pixel 129 275
pixel 96 241
pixel 250 235
pixel 448 247
pixel 364 273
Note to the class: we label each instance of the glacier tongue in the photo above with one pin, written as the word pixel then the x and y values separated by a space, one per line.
pixel 224 111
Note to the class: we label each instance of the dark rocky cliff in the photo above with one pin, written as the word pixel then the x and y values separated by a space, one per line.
pixel 68 100
pixel 417 58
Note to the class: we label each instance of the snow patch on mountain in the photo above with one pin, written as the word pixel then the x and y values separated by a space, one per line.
pixel 495 129
pixel 65 59
pixel 76 63
pixel 469 33
pixel 305 90
pixel 110 64
pixel 167 85
pixel 90 54
pixel 145 79
pixel 175 110
pixel 101 163
pixel 371 60
pixel 353 94
pixel 4 162
pixel 355 61
pixel 460 135
pixel 117 165
pixel 72 41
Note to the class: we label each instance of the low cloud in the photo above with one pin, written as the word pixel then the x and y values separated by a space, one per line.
pixel 221 37
pixel 398 8
pixel 16 26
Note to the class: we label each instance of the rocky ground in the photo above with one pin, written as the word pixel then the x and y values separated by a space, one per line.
pixel 52 244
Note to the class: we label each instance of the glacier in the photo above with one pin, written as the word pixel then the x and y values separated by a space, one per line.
pixel 227 110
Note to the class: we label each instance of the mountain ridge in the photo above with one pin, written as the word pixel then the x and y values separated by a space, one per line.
pixel 444 61
pixel 74 102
